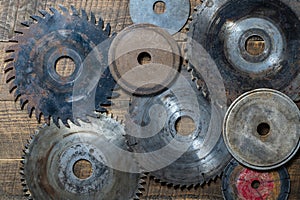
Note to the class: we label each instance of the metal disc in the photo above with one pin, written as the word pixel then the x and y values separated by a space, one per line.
pixel 243 183
pixel 261 129
pixel 52 154
pixel 31 65
pixel 255 44
pixel 132 47
pixel 190 159
pixel 173 19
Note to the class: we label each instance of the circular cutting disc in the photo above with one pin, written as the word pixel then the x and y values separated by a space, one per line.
pixel 255 44
pixel 243 183
pixel 52 156
pixel 172 19
pixel 179 158
pixel 144 59
pixel 261 129
pixel 33 69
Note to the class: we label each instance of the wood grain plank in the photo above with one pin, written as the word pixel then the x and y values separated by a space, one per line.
pixel 16 127
pixel 10 184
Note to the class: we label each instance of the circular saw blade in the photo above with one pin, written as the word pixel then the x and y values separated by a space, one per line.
pixel 228 28
pixel 172 157
pixel 31 64
pixel 51 156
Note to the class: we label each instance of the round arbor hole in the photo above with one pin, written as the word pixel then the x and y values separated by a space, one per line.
pixel 255 184
pixel 185 126
pixel 159 7
pixel 263 129
pixel 144 58
pixel 65 66
pixel 255 45
pixel 82 169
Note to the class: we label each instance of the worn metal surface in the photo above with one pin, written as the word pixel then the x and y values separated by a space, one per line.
pixel 261 129
pixel 130 45
pixel 31 64
pixel 242 183
pixel 173 19
pixel 225 28
pixel 151 128
pixel 50 157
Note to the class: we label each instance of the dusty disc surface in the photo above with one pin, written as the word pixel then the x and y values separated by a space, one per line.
pixel 144 59
pixel 173 18
pixel 261 129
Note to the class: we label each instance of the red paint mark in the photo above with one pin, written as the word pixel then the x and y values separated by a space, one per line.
pixel 263 188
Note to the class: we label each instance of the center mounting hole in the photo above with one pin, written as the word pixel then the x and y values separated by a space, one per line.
pixel 255 184
pixel 255 45
pixel 65 66
pixel 263 129
pixel 185 126
pixel 82 169
pixel 144 58
pixel 159 7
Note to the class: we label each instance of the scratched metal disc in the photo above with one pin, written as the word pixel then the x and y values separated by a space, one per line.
pixel 243 183
pixel 51 156
pixel 254 43
pixel 130 49
pixel 262 129
pixel 173 19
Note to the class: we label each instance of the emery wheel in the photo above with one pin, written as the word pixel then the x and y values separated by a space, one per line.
pixel 171 155
pixel 52 156
pixel 144 59
pixel 242 183
pixel 261 129
pixel 32 64
pixel 172 19
pixel 255 44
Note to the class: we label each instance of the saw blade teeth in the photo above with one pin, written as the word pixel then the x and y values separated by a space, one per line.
pixel 9 57
pixel 74 11
pixel 37 114
pixel 12 87
pixel 36 18
pixel 10 76
pixel 55 120
pixel 43 12
pixel 21 172
pixel 107 28
pixel 84 15
pixel 54 11
pixel 12 47
pixel 23 102
pixel 26 23
pixel 93 18
pixel 100 109
pixel 100 23
pixel 63 9
pixel 17 94
pixel 30 108
pixel 47 119
pixel 8 66
pixel 16 39
pixel 114 95
pixel 19 31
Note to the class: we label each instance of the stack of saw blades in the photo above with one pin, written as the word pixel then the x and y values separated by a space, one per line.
pixel 224 102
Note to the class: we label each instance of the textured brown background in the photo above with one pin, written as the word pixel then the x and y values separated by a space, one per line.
pixel 15 126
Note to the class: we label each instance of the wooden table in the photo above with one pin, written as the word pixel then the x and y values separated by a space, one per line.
pixel 16 126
